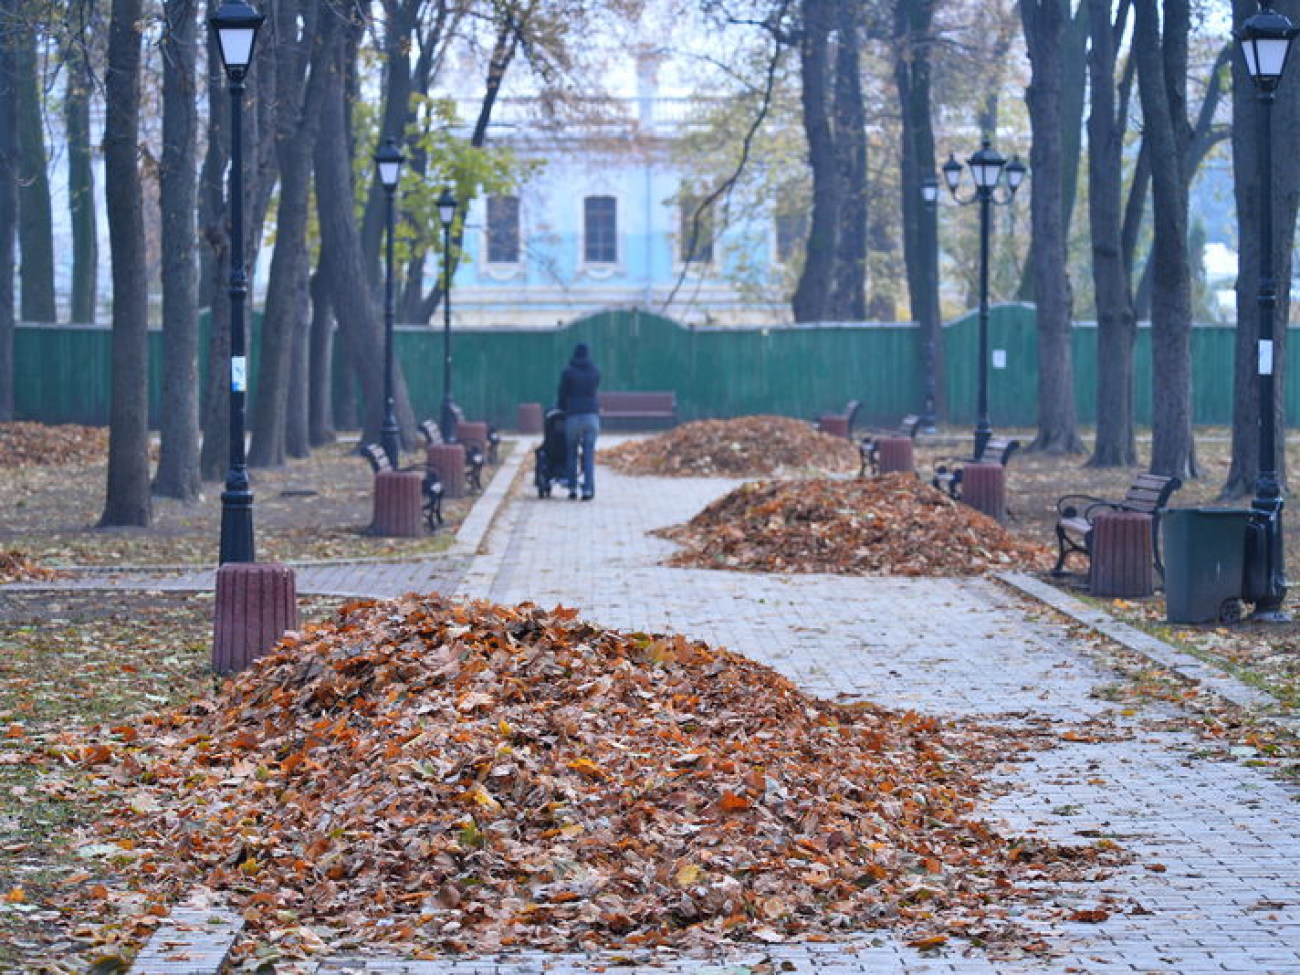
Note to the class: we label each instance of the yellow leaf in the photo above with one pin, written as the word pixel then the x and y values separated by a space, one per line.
pixel 480 796
pixel 588 768
pixel 16 896
pixel 688 873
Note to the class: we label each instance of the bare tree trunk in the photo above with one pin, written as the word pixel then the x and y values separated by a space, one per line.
pixel 849 295
pixel 178 461
pixel 1045 23
pixel 81 176
pixel 913 23
pixel 1116 444
pixel 1162 81
pixel 8 213
pixel 35 219
pixel 320 406
pixel 341 259
pixel 297 436
pixel 401 34
pixel 298 122
pixel 810 297
pixel 127 501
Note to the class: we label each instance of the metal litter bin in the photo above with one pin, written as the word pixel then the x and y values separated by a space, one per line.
pixel 1205 559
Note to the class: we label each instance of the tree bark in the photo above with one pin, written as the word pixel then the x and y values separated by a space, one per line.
pixel 298 122
pixel 1115 444
pixel 341 258
pixel 127 497
pixel 913 24
pixel 402 22
pixel 82 215
pixel 320 411
pixel 809 303
pixel 1246 410
pixel 849 283
pixel 1162 80
pixel 1073 87
pixel 1045 22
pixel 35 220
pixel 178 459
pixel 8 212
pixel 297 435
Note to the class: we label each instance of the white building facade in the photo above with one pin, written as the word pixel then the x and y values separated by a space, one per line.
pixel 606 223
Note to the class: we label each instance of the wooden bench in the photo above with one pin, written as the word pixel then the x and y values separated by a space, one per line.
pixel 869 446
pixel 996 451
pixel 1149 494
pixel 637 410
pixel 430 487
pixel 839 424
pixel 475 453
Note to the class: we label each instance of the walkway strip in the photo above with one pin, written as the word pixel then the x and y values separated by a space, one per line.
pixel 1183 664
pixel 191 941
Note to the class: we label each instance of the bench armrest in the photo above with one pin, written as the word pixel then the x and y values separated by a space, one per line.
pixel 1069 505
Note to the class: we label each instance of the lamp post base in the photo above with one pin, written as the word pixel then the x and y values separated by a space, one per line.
pixel 390 438
pixel 236 526
pixel 447 418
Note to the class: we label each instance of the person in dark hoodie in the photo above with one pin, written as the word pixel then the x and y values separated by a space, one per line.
pixel 577 397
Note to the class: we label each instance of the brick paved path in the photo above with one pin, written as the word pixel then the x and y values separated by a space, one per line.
pixel 1226 834
pixel 1214 884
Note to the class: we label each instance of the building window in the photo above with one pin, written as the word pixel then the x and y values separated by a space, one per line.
pixel 791 229
pixel 600 230
pixel 695 234
pixel 503 230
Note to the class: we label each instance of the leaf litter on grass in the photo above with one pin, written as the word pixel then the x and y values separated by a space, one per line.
pixel 453 777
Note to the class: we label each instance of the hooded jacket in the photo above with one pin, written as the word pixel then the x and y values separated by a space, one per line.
pixel 578 383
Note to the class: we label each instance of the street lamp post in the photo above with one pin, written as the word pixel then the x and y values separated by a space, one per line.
pixel 388 160
pixel 237 24
pixel 987 167
pixel 930 296
pixel 1265 41
pixel 447 415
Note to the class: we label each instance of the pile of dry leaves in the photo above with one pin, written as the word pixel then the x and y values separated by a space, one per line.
pixel 743 447
pixel 30 444
pixel 15 566
pixel 454 777
pixel 888 525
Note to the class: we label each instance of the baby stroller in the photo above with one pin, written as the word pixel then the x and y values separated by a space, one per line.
pixel 549 457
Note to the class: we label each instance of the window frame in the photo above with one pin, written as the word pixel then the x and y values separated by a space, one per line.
pixel 489 237
pixel 592 240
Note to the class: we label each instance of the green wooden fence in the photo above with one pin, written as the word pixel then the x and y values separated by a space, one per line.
pixel 63 371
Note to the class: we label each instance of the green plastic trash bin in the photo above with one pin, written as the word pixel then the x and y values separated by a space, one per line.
pixel 1205 560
